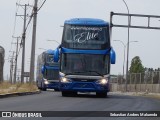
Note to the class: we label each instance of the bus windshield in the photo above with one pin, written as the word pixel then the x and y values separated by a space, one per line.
pixel 49 61
pixel 51 74
pixel 85 64
pixel 49 58
pixel 86 37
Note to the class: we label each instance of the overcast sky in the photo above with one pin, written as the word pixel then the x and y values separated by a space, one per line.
pixel 54 12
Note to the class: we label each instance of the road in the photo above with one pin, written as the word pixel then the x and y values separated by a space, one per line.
pixel 53 101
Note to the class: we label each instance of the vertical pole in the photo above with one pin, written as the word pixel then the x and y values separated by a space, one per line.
pixel 23 44
pixel 11 68
pixel 11 72
pixel 124 60
pixel 15 69
pixel 1 63
pixel 111 15
pixel 146 82
pixel 127 46
pixel 135 81
pixel 32 64
pixel 152 80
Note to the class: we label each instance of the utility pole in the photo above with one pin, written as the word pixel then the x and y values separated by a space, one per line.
pixel 23 44
pixel 32 63
pixel 11 70
pixel 11 67
pixel 2 52
pixel 15 68
pixel 23 41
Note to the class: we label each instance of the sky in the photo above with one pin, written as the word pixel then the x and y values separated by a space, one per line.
pixel 52 15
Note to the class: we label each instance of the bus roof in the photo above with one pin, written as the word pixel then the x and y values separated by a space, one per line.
pixel 50 51
pixel 86 21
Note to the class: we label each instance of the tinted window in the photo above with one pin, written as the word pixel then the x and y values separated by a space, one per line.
pixel 85 64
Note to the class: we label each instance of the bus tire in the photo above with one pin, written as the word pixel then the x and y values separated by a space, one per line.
pixel 44 89
pixel 65 93
pixel 69 93
pixel 39 88
pixel 56 89
pixel 101 94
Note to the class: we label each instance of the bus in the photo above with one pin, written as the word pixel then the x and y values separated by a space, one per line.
pixel 85 56
pixel 47 75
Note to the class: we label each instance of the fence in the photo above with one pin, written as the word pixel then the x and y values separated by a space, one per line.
pixel 137 82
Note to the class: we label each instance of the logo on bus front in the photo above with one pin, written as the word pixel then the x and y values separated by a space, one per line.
pixel 86 33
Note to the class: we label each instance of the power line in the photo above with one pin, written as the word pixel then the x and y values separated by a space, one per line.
pixel 14 27
pixel 41 5
pixel 29 20
pixel 31 16
pixel 15 21
pixel 25 29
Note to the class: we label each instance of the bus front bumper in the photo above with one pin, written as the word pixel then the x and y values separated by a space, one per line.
pixel 84 87
pixel 52 85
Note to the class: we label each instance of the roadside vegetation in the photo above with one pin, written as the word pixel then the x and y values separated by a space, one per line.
pixel 7 87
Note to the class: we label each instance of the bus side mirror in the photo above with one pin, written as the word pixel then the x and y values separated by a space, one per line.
pixel 43 69
pixel 112 56
pixel 56 55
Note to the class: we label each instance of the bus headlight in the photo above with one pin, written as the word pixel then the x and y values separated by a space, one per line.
pixel 103 81
pixel 46 81
pixel 65 80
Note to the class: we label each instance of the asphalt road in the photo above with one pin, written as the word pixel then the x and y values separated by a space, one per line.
pixel 53 101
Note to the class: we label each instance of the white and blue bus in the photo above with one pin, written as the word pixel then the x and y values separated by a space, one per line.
pixel 85 57
pixel 47 76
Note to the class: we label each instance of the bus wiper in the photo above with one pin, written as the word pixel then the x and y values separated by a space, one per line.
pixel 95 72
pixel 75 72
pixel 84 72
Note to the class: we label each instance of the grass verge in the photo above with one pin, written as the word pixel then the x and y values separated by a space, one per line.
pixel 7 87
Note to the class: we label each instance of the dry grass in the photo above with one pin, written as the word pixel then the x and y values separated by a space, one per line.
pixel 156 96
pixel 6 87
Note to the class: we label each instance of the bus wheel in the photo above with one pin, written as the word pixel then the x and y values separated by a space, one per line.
pixel 73 94
pixel 101 94
pixel 44 89
pixel 69 93
pixel 56 89
pixel 39 88
pixel 65 93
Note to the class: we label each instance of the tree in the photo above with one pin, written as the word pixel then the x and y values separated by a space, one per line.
pixel 136 65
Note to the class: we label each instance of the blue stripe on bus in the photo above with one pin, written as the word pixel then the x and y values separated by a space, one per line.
pixel 103 52
pixel 49 67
